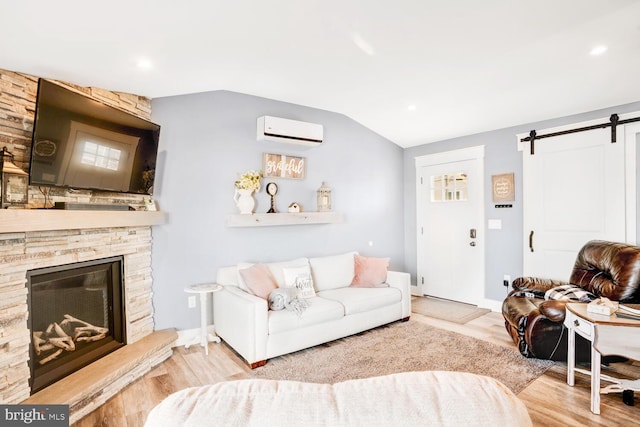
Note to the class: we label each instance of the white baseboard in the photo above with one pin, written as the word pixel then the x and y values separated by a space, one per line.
pixel 187 336
pixel 416 290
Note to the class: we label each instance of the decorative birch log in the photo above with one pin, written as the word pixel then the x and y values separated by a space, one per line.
pixel 61 337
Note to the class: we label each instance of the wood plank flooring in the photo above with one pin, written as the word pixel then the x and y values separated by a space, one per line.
pixel 550 401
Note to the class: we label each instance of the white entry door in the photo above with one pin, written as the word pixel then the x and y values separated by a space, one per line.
pixel 450 225
pixel 574 190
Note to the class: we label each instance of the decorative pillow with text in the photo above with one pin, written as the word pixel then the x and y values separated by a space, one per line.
pixel 300 278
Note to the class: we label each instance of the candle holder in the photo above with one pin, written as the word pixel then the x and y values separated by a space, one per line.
pixel 324 198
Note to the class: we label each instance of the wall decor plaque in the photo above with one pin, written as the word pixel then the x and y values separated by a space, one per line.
pixel 283 166
pixel 503 187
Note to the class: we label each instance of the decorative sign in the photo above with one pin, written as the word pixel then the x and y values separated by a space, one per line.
pixel 503 187
pixel 281 166
pixel 45 148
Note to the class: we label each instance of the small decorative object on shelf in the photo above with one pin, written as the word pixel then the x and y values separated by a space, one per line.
pixel 14 182
pixel 294 208
pixel 245 186
pixel 272 190
pixel 324 198
pixel 150 205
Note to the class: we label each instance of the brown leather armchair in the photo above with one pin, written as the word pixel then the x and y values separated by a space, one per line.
pixel 536 325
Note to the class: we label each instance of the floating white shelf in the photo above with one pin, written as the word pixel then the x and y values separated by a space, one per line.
pixel 274 219
pixel 23 220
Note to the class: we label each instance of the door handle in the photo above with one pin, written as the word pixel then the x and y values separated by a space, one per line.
pixel 531 240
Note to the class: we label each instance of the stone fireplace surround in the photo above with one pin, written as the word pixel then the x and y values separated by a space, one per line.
pixel 32 239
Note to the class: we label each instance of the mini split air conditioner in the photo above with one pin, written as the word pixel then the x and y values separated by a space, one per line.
pixel 291 131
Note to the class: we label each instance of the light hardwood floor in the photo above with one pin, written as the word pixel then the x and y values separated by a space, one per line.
pixel 550 401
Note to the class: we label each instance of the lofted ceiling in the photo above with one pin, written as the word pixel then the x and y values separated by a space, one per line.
pixel 414 71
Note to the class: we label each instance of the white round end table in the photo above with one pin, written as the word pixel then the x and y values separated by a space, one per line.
pixel 203 289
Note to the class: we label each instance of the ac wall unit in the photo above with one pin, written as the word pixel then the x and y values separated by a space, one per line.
pixel 291 131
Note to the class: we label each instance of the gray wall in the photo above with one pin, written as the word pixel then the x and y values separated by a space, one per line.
pixel 503 247
pixel 208 139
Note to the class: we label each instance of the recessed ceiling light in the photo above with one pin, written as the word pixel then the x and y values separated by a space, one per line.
pixel 598 50
pixel 144 64
pixel 411 107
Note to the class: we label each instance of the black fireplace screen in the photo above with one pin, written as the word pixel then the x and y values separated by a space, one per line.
pixel 76 316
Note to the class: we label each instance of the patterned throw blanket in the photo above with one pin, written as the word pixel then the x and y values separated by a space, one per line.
pixel 569 293
pixel 287 298
pixel 566 292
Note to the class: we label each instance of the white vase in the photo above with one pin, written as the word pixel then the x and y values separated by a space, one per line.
pixel 244 201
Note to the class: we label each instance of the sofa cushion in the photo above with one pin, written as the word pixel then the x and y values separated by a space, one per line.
pixel 300 279
pixel 259 280
pixel 370 272
pixel 331 272
pixel 320 310
pixel 359 300
pixel 274 267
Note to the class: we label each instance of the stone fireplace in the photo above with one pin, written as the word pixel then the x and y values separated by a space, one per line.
pixel 76 316
pixel 36 238
pixel 52 238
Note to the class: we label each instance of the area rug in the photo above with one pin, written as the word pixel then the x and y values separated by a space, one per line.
pixel 450 311
pixel 403 347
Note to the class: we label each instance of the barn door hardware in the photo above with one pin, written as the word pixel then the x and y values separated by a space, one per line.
pixel 613 122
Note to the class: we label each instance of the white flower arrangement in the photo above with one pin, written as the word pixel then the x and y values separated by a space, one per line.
pixel 249 181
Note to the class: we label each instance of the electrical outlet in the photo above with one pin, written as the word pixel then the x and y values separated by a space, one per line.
pixel 506 279
pixel 192 301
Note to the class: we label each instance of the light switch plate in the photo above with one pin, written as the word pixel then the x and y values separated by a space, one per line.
pixel 495 224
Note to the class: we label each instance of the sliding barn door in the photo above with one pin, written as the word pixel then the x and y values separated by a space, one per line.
pixel 574 191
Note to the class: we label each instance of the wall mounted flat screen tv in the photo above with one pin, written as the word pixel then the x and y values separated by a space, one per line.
pixel 82 143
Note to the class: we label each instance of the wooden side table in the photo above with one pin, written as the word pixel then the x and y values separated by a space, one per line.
pixel 203 290
pixel 608 335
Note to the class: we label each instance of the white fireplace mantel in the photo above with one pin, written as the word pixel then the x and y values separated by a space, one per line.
pixel 23 220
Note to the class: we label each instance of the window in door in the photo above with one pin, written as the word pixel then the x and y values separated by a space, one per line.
pixel 449 187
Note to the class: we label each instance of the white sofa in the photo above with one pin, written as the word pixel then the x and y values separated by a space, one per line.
pixel 338 310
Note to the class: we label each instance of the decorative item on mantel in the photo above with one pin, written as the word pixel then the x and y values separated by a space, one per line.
pixel 324 198
pixel 245 186
pixel 294 208
pixel 14 182
pixel 272 190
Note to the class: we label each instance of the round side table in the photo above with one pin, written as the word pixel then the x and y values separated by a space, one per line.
pixel 203 289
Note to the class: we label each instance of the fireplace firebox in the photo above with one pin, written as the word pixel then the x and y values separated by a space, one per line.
pixel 76 316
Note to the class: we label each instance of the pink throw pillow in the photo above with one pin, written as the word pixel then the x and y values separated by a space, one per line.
pixel 370 272
pixel 259 280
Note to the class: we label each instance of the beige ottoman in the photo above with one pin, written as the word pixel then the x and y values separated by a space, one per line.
pixel 431 398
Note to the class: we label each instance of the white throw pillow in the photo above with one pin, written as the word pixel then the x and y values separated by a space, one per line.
pixel 277 267
pixel 299 278
pixel 332 272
